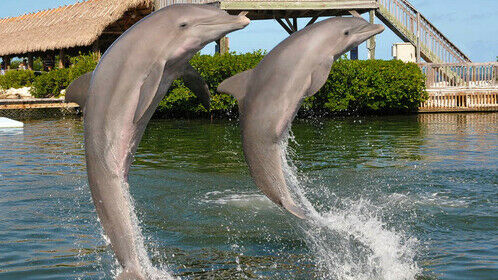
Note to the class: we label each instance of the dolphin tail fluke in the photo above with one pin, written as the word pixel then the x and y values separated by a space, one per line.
pixel 77 91
pixel 295 210
pixel 130 275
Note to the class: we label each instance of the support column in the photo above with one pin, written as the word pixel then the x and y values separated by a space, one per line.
pixel 30 61
pixel 223 45
pixel 48 62
pixel 96 49
pixel 6 60
pixel 418 38
pixel 60 63
pixel 353 55
pixel 371 44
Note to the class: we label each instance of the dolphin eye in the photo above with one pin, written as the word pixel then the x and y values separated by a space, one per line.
pixel 183 24
pixel 346 33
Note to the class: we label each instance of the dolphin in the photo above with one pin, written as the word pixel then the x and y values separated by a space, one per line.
pixel 270 95
pixel 119 98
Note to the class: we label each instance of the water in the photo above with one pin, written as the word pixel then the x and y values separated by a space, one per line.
pixel 392 198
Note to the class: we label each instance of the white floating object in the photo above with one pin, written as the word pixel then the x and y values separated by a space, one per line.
pixel 8 123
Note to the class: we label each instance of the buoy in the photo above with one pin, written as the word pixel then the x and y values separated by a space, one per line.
pixel 8 123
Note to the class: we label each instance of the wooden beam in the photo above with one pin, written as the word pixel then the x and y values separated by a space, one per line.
pixel 290 24
pixel 294 23
pixel 354 13
pixel 299 5
pixel 284 25
pixel 312 20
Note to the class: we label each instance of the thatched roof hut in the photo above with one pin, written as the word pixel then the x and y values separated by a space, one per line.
pixel 71 26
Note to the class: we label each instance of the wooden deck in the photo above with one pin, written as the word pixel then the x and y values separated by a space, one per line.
pixel 36 108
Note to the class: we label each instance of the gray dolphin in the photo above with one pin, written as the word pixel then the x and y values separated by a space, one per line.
pixel 270 95
pixel 119 98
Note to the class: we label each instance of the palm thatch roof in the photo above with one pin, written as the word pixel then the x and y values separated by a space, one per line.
pixel 64 27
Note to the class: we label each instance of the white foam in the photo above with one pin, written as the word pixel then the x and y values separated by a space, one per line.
pixel 350 241
pixel 240 200
pixel 9 123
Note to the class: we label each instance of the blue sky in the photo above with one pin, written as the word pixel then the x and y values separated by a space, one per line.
pixel 471 25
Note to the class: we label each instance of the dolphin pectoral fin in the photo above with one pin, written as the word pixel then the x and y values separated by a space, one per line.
pixel 148 90
pixel 319 77
pixel 197 85
pixel 77 91
pixel 236 85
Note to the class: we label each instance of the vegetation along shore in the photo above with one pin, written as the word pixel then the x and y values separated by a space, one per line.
pixel 353 86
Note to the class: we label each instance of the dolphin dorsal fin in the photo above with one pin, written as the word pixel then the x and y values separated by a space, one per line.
pixel 77 91
pixel 236 85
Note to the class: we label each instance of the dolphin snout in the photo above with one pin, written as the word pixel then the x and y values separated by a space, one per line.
pixel 243 19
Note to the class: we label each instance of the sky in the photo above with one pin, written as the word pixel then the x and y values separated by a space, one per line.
pixel 470 25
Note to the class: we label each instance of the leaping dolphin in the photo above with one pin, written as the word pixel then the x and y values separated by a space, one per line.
pixel 270 95
pixel 119 98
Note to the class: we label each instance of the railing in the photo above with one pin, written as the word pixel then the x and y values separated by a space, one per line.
pixel 463 75
pixel 460 87
pixel 477 100
pixel 408 21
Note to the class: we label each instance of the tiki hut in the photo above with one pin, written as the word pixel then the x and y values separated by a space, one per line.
pixel 84 26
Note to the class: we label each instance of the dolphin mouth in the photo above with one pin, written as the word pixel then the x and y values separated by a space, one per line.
pixel 238 22
pixel 369 30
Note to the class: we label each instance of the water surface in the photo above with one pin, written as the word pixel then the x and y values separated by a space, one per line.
pixel 410 192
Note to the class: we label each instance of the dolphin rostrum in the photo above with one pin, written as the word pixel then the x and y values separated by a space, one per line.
pixel 270 95
pixel 119 98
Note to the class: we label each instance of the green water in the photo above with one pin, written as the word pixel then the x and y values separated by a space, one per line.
pixel 399 196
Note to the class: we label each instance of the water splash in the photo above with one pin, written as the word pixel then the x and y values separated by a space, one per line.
pixel 350 240
pixel 151 272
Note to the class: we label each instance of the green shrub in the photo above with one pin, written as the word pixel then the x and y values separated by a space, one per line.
pixel 180 101
pixel 371 86
pixel 82 64
pixel 17 79
pixel 50 84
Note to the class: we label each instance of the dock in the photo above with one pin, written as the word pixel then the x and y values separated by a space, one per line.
pixel 36 108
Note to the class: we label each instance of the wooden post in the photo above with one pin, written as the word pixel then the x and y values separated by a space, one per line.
pixel 30 61
pixel 354 54
pixel 96 49
pixel 222 45
pixel 48 61
pixel 6 60
pixel 418 37
pixel 371 42
pixel 61 59
pixel 157 5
